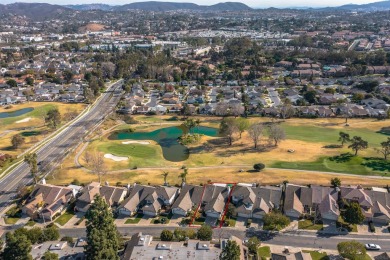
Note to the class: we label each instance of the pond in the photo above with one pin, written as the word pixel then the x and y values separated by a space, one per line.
pixel 167 138
pixel 16 112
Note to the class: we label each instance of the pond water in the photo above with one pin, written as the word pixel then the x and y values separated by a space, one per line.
pixel 167 138
pixel 16 113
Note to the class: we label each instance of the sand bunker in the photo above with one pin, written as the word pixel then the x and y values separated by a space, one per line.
pixel 136 142
pixel 23 120
pixel 115 158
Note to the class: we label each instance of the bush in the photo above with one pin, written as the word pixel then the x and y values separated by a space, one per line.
pixel 166 235
pixel 258 166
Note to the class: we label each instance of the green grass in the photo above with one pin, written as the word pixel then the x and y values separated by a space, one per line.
pixel 350 227
pixel 133 150
pixel 30 223
pixel 353 165
pixel 264 251
pixel 316 134
pixel 64 218
pixel 199 221
pixel 11 221
pixel 134 220
pixel 308 225
pixel 317 255
pixel 37 112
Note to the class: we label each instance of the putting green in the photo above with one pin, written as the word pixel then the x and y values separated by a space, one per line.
pixel 133 150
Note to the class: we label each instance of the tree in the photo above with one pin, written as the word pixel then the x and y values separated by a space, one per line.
pixel 12 83
pixel 357 144
pixel 205 233
pixel 385 148
pixel 231 251
pixel 179 234
pixel 165 175
pixel 253 244
pixel 166 235
pixel 53 118
pixel 255 131
pixel 258 166
pixel 50 256
pixel 335 182
pixel 102 235
pixel 17 141
pixel 17 247
pixel 30 81
pixel 354 214
pixel 242 125
pixel 275 221
pixel 351 249
pixel 68 76
pixel 31 160
pixel 228 128
pixel 344 138
pixel 97 165
pixel 276 134
pixel 51 233
pixel 231 211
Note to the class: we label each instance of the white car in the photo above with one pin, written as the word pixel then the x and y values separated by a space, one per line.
pixel 372 247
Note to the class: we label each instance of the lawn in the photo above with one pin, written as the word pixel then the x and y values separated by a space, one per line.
pixel 158 220
pixel 64 218
pixel 308 225
pixel 350 227
pixel 199 221
pixel 10 221
pixel 264 251
pixel 315 255
pixel 134 220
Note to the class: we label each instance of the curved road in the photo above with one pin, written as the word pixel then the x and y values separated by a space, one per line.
pixel 53 151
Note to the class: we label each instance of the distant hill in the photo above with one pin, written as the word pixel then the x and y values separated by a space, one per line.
pixel 376 6
pixel 170 6
pixel 162 6
pixel 88 7
pixel 33 10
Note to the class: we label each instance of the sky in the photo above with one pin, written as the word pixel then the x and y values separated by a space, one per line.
pixel 251 3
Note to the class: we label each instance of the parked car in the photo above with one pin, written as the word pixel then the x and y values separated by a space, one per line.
pixel 372 247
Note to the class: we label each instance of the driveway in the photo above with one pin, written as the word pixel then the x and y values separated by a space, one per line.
pixel 240 223
pixel 71 223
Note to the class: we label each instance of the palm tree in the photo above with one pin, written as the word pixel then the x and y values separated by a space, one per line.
pixel 31 160
pixel 183 176
pixel 165 175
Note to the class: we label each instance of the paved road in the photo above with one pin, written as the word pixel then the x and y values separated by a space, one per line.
pixel 52 152
pixel 295 239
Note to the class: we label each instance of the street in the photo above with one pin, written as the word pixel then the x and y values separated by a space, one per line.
pixel 53 151
pixel 292 239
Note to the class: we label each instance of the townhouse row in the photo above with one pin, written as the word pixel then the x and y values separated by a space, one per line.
pixel 250 201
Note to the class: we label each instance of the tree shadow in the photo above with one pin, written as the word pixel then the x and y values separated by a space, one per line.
pixel 377 164
pixel 342 158
pixel 384 130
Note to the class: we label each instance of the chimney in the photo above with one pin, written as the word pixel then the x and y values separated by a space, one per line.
pixel 43 181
